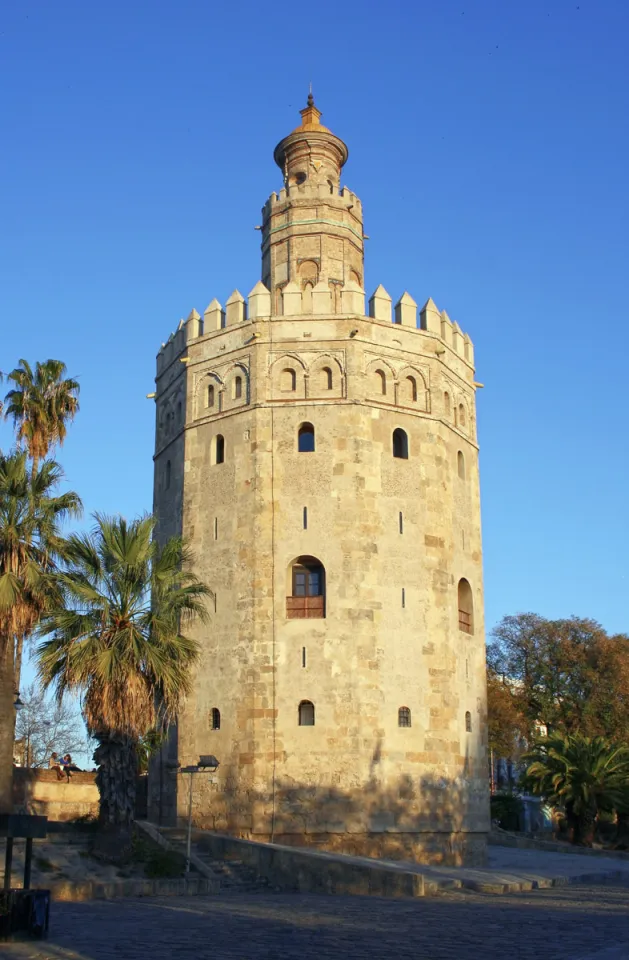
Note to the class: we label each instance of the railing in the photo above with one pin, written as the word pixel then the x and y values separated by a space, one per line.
pixel 305 608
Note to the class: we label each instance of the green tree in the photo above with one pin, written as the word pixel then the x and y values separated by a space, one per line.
pixel 504 718
pixel 32 512
pixel 567 675
pixel 41 404
pixel 583 774
pixel 115 636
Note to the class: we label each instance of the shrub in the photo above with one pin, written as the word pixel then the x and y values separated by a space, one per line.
pixel 505 808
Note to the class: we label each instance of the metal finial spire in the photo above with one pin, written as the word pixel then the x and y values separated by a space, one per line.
pixel 310 97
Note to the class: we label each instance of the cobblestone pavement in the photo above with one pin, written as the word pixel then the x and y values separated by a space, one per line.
pixel 567 923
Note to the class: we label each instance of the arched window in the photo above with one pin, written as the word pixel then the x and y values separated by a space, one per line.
pixel 219 449
pixel 326 379
pixel 306 438
pixel 305 598
pixel 306 298
pixel 410 389
pixel 168 471
pixel 306 714
pixel 466 607
pixel 460 464
pixel 288 380
pixel 468 721
pixel 447 408
pixel 237 388
pixel 380 382
pixel 461 416
pixel 400 444
pixel 210 395
pixel 215 719
pixel 404 717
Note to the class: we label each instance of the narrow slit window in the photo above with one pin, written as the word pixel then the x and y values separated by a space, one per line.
pixel 238 388
pixel 468 722
pixel 303 656
pixel 210 395
pixel 219 449
pixel 404 717
pixel 400 444
pixel 403 597
pixel 466 607
pixel 460 464
pixel 381 382
pixel 216 528
pixel 306 438
pixel 305 518
pixel 401 522
pixel 215 719
pixel 288 380
pixel 306 714
pixel 326 378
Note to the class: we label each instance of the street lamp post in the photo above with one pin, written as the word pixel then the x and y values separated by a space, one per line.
pixel 207 762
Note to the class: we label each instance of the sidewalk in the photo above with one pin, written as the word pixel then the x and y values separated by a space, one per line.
pixel 511 870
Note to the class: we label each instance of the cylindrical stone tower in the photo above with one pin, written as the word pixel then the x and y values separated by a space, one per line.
pixel 323 465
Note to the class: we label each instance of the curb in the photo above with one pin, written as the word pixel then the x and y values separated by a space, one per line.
pixel 542 883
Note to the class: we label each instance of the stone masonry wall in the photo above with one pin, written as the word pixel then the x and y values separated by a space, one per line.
pixel 355 780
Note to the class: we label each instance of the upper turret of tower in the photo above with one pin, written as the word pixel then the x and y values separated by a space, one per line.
pixel 312 232
pixel 311 154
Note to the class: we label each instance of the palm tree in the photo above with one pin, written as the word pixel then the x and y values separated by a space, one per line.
pixel 31 547
pixel 584 774
pixel 41 404
pixel 115 636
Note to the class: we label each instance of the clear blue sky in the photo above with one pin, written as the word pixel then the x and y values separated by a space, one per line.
pixel 489 144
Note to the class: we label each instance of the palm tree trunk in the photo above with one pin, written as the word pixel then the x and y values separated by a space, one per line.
pixel 622 835
pixel 585 828
pixel 117 760
pixel 7 724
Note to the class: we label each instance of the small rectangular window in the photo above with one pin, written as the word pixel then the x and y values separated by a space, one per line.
pixel 305 518
pixel 401 522
pixel 403 597
pixel 303 656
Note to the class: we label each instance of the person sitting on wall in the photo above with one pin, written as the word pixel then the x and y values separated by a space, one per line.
pixel 68 766
pixel 55 764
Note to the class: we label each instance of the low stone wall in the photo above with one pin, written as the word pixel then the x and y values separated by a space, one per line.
pixel 499 838
pixel 439 849
pixel 307 871
pixel 39 792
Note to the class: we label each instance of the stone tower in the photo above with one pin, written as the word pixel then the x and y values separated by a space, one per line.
pixel 322 463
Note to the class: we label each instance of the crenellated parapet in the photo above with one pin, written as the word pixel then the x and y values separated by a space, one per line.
pixel 322 191
pixel 319 303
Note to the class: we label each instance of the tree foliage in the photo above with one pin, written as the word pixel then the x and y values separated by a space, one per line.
pixel 44 725
pixel 586 775
pixel 32 512
pixel 41 404
pixel 116 637
pixel 568 676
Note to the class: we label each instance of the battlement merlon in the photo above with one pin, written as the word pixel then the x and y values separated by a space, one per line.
pixel 258 307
